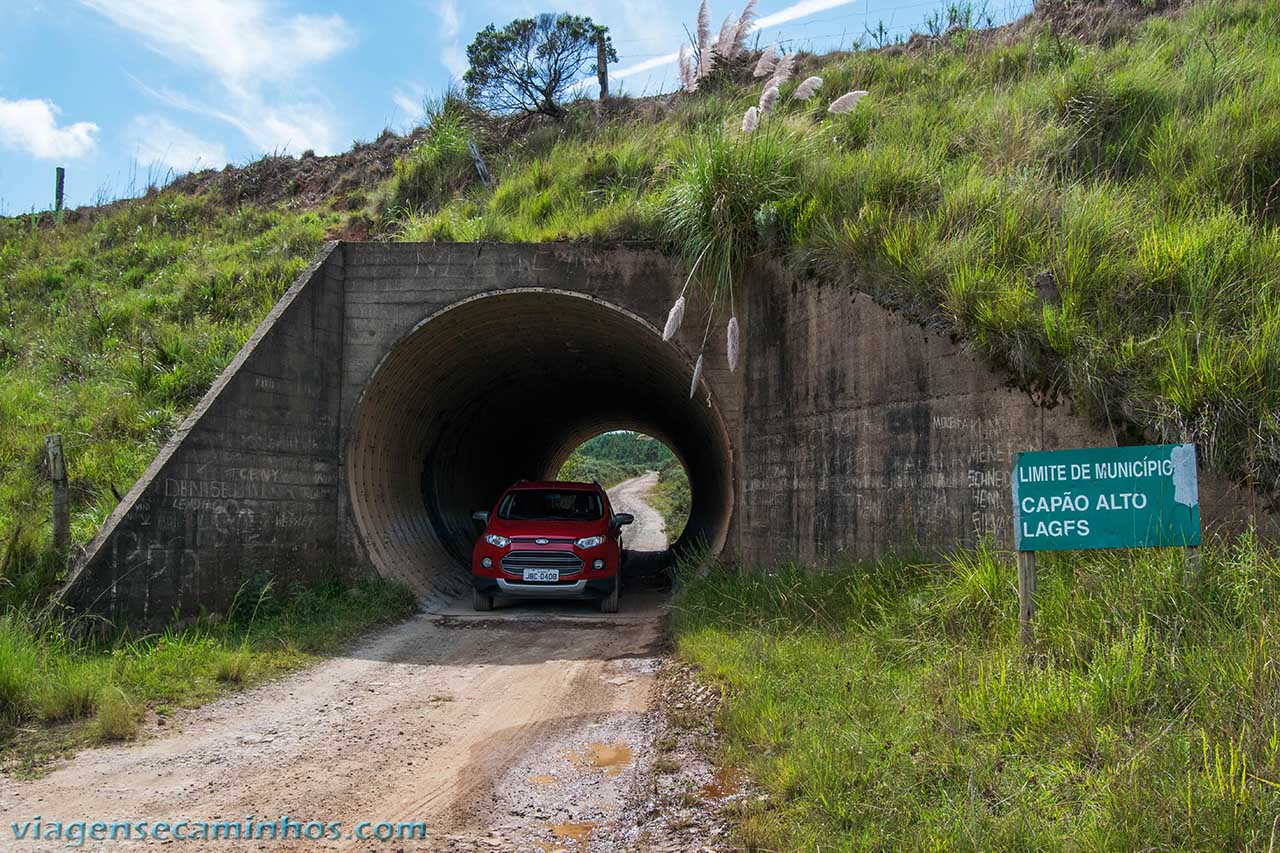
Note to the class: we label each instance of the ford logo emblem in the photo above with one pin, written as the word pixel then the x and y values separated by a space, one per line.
pixel 542 541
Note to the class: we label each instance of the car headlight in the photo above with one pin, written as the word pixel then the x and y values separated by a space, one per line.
pixel 497 541
pixel 590 541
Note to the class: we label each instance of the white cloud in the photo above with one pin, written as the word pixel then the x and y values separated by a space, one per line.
pixel 288 127
pixel 408 104
pixel 791 13
pixel 454 58
pixel 450 21
pixel 158 140
pixel 250 50
pixel 797 10
pixel 237 39
pixel 32 126
pixel 451 55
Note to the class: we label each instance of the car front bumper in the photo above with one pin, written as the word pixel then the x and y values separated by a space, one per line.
pixel 584 588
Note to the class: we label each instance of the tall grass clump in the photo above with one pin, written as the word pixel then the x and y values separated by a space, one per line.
pixel 438 167
pixel 890 705
pixel 19 666
pixel 723 184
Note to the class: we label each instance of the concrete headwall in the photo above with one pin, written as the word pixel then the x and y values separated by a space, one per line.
pixel 396 388
pixel 248 484
pixel 864 432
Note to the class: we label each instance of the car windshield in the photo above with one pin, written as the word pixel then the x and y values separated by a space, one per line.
pixel 550 505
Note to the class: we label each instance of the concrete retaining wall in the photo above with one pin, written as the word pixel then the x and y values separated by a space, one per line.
pixel 849 430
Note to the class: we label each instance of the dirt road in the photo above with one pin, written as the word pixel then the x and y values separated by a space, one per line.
pixel 499 736
pixel 524 729
pixel 647 532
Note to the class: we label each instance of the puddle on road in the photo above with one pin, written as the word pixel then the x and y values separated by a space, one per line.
pixel 725 782
pixel 577 833
pixel 612 758
pixel 543 780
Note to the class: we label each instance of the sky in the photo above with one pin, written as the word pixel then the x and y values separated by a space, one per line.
pixel 124 93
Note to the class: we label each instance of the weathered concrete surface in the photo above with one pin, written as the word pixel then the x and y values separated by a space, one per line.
pixel 397 388
pixel 247 485
pixel 864 433
pixel 394 390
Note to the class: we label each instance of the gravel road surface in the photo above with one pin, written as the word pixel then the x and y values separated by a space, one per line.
pixel 503 733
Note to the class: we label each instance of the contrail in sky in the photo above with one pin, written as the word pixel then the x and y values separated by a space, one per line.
pixel 791 13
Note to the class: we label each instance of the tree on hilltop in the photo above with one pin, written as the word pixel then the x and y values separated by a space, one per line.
pixel 529 65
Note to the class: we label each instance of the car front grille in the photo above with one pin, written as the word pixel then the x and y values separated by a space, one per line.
pixel 567 562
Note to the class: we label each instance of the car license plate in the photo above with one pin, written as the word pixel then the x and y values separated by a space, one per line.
pixel 542 574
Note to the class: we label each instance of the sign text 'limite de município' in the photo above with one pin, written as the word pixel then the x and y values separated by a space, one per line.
pixel 1106 497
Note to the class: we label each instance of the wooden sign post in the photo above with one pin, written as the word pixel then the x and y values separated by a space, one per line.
pixel 58 477
pixel 1026 595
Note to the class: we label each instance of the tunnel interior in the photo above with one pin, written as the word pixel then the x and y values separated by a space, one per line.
pixel 505 386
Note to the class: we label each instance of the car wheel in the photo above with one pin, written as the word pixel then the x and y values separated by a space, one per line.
pixel 609 604
pixel 481 600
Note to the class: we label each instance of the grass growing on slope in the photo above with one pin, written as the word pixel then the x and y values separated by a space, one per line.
pixel 890 706
pixel 611 457
pixel 1098 219
pixel 672 498
pixel 109 334
pixel 88 694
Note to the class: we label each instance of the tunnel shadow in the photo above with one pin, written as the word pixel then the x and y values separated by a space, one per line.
pixel 442 428
pixel 521 632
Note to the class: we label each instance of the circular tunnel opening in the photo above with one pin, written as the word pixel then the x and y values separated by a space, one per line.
pixel 643 476
pixel 505 386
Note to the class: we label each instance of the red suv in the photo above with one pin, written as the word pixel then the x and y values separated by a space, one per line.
pixel 558 540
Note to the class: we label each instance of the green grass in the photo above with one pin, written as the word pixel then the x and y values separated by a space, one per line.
pixel 109 334
pixel 1138 183
pixel 890 706
pixel 611 457
pixel 672 498
pixel 58 693
pixel 1101 220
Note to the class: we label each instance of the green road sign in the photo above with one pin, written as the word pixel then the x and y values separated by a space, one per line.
pixel 1106 497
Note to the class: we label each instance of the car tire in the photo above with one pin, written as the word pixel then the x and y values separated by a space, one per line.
pixel 481 600
pixel 609 604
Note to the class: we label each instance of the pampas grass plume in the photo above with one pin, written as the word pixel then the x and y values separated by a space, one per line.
pixel 732 344
pixel 724 41
pixel 768 61
pixel 706 60
pixel 745 20
pixel 806 89
pixel 704 25
pixel 783 70
pixel 697 377
pixel 767 97
pixel 674 318
pixel 686 73
pixel 846 102
pixel 749 120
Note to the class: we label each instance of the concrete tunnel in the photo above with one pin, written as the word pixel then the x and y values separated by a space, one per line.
pixel 505 386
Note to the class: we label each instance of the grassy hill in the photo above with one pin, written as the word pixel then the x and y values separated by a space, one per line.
pixel 1098 216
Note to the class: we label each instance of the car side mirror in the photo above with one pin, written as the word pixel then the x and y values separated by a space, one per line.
pixel 623 518
pixel 481 516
